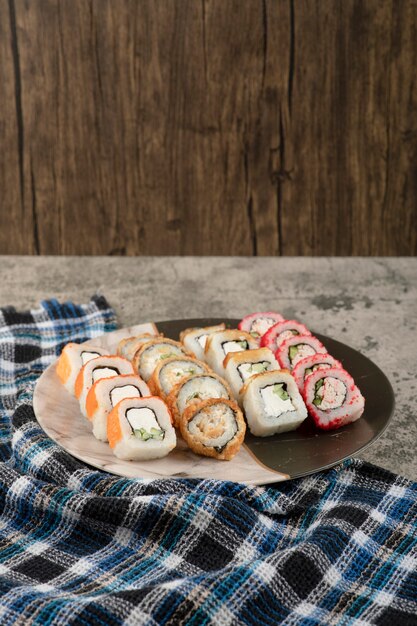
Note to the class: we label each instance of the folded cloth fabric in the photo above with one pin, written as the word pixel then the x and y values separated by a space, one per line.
pixel 79 546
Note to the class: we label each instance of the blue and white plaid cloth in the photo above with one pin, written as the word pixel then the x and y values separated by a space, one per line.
pixel 79 546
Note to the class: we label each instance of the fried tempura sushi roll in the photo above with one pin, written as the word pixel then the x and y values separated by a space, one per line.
pixel 273 403
pixel 94 370
pixel 332 398
pixel 194 390
pixel 221 343
pixel 280 332
pixel 139 429
pixel 310 364
pixel 195 339
pixel 258 323
pixel 214 428
pixel 148 355
pixel 127 347
pixel 240 366
pixel 72 359
pixel 169 372
pixel 106 393
pixel 298 347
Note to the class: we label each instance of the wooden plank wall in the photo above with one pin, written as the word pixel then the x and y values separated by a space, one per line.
pixel 244 127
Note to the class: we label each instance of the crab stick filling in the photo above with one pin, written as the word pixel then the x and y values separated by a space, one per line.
pixel 276 399
pixel 329 393
pixel 300 351
pixel 261 325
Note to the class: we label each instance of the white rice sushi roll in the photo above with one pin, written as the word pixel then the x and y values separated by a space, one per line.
pixel 273 403
pixel 72 359
pixel 106 393
pixel 127 347
pixel 194 390
pixel 94 370
pixel 214 428
pixel 139 429
pixel 298 347
pixel 195 339
pixel 169 372
pixel 240 366
pixel 220 344
pixel 310 364
pixel 148 355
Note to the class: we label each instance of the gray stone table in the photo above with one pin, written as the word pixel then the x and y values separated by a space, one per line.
pixel 370 304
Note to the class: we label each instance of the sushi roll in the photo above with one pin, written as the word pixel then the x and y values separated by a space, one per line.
pixel 170 371
pixel 240 366
pixel 214 428
pixel 332 398
pixel 221 343
pixel 195 339
pixel 139 429
pixel 273 403
pixel 106 393
pixel 258 323
pixel 148 355
pixel 296 348
pixel 127 347
pixel 94 370
pixel 195 390
pixel 281 331
pixel 72 359
pixel 311 363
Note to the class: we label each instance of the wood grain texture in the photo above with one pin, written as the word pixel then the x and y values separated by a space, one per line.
pixel 243 127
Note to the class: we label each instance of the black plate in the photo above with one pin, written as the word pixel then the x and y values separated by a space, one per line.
pixel 308 450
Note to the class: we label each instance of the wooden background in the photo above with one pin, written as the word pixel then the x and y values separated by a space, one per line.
pixel 246 127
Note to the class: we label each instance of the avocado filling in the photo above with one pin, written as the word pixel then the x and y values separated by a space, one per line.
pixel 276 399
pixel 329 393
pixel 144 424
pixel 235 346
pixel 246 370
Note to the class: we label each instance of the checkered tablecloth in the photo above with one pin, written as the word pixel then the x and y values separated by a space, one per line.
pixel 79 546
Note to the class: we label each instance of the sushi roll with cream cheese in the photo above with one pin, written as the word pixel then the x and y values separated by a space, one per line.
pixel 127 347
pixel 72 359
pixel 169 372
pixel 240 366
pixel 221 343
pixel 332 398
pixel 296 348
pixel 195 339
pixel 106 393
pixel 273 403
pixel 148 355
pixel 139 429
pixel 311 363
pixel 258 323
pixel 281 331
pixel 214 428
pixel 94 370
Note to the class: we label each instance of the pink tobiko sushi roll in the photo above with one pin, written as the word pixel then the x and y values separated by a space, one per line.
pixel 297 347
pixel 332 398
pixel 310 364
pixel 258 323
pixel 280 332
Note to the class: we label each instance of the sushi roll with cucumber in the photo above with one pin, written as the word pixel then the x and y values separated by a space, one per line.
pixel 221 343
pixel 257 324
pixel 281 331
pixel 94 370
pixel 195 339
pixel 169 372
pixel 298 347
pixel 310 364
pixel 332 398
pixel 194 390
pixel 240 366
pixel 214 428
pixel 127 347
pixel 147 356
pixel 73 357
pixel 140 429
pixel 273 403
pixel 106 393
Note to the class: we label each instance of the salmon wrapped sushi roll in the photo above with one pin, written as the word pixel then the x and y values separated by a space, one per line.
pixel 280 332
pixel 169 372
pixel 310 364
pixel 298 347
pixel 214 428
pixel 140 429
pixel 194 390
pixel 332 398
pixel 195 339
pixel 106 393
pixel 94 370
pixel 148 355
pixel 240 366
pixel 127 347
pixel 72 359
pixel 221 343
pixel 257 324
pixel 273 403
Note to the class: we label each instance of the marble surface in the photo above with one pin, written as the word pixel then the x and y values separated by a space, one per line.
pixel 370 304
